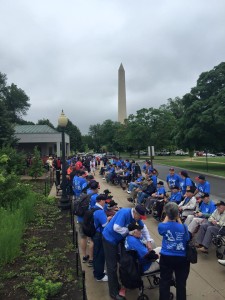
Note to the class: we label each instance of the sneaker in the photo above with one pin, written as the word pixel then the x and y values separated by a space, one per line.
pixel 85 258
pixel 103 178
pixel 105 278
pixel 90 263
pixel 129 192
pixel 221 261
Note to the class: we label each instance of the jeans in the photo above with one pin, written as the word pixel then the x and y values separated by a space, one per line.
pixel 141 196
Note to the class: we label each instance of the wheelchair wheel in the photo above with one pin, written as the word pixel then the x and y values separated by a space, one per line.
pixel 143 297
pixel 171 296
pixel 219 255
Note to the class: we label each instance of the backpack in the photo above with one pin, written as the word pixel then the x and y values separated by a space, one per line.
pixel 129 269
pixel 81 205
pixel 88 225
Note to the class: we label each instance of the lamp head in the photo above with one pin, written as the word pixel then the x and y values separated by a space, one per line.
pixel 63 120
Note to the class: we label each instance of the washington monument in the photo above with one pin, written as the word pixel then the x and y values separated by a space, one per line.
pixel 122 110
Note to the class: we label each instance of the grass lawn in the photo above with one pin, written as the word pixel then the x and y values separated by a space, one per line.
pixel 214 165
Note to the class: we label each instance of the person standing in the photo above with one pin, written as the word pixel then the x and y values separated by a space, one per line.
pixel 115 231
pixel 173 253
pixel 172 178
pixel 100 221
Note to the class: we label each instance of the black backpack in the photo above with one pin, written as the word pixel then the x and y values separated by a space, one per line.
pixel 88 225
pixel 81 205
pixel 129 269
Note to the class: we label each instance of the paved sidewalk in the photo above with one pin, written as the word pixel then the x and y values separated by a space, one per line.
pixel 206 279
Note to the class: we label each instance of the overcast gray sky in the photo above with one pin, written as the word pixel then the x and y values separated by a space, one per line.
pixel 66 54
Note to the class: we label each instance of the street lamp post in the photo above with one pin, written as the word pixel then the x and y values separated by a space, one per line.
pixel 64 202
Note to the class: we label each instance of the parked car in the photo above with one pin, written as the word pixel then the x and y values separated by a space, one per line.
pixel 209 154
pixel 220 154
pixel 180 152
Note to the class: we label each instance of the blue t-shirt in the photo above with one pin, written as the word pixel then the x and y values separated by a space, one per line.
pixel 79 183
pixel 176 197
pixel 161 191
pixel 173 180
pixel 175 238
pixel 184 183
pixel 93 200
pixel 204 187
pixel 207 208
pixel 100 219
pixel 133 243
pixel 154 179
pixel 122 218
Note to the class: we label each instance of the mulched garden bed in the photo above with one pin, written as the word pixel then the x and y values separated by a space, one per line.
pixel 46 268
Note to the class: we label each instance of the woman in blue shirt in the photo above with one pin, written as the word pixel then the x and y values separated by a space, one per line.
pixel 173 253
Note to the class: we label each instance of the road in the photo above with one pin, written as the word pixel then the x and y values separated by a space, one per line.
pixel 217 183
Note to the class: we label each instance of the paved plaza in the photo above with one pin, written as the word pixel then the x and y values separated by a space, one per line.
pixel 206 279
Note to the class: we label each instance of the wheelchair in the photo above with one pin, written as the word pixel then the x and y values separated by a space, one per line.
pixel 219 241
pixel 152 277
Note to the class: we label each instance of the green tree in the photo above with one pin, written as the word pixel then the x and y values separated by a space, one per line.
pixel 17 103
pixel 202 125
pixel 16 162
pixel 75 136
pixel 45 122
pixel 36 169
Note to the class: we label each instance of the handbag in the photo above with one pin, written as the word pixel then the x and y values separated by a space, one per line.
pixel 191 252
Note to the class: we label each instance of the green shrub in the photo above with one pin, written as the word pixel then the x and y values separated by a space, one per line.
pixel 41 288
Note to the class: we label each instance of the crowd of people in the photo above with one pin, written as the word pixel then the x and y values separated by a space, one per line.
pixel 184 208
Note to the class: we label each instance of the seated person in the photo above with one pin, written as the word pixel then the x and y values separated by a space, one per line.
pixel 176 197
pixel 158 195
pixel 135 184
pixel 210 228
pixel 125 176
pixel 188 205
pixel 147 191
pixel 201 215
pixel 134 241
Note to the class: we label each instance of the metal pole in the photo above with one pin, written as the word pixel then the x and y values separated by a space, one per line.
pixel 206 157
pixel 83 285
pixel 64 201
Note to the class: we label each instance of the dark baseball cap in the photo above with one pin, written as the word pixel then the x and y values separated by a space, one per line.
pixel 141 211
pixel 133 226
pixel 204 195
pixel 202 177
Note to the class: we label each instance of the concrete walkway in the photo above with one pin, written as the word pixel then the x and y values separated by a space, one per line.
pixel 206 279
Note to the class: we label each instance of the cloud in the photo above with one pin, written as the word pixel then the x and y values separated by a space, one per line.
pixel 66 55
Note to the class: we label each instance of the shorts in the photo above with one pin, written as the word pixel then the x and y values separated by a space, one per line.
pixel 80 229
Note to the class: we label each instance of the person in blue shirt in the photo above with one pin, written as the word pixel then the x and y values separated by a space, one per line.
pixel 135 184
pixel 115 231
pixel 172 178
pixel 173 253
pixel 176 197
pixel 100 221
pixel 203 186
pixel 158 195
pixel 147 191
pixel 135 242
pixel 185 182
pixel 204 212
pixel 79 183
